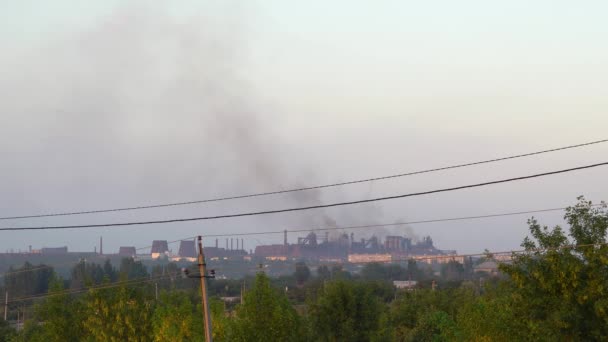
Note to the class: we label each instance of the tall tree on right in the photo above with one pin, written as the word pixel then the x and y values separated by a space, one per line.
pixel 561 281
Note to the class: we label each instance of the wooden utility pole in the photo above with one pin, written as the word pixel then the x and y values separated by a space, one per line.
pixel 203 275
pixel 5 305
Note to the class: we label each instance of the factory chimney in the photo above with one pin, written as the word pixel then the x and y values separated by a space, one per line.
pixel 285 237
pixel 101 245
pixel 216 241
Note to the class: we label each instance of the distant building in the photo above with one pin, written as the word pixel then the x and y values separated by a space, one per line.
pixel 276 258
pixel 273 252
pixel 127 251
pixel 502 257
pixel 159 248
pixel 405 284
pixel 54 250
pixel 365 258
pixel 187 250
pixel 490 267
pixel 449 258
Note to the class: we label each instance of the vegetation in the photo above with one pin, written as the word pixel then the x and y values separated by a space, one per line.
pixel 556 290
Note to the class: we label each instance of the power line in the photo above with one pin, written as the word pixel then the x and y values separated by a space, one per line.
pixel 300 230
pixel 41 267
pixel 267 212
pixel 432 257
pixel 53 266
pixel 97 287
pixel 218 199
pixel 462 218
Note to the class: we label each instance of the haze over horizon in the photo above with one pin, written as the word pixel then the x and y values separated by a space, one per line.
pixel 118 104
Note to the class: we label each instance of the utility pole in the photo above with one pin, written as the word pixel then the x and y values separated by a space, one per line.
pixel 5 305
pixel 203 274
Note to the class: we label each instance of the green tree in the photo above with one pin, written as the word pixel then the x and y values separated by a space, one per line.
pixel 61 315
pixel 6 332
pixel 118 314
pixel 323 272
pixel 265 315
pixel 28 280
pixel 413 312
pixel 453 271
pixel 345 311
pixel 174 319
pixel 492 317
pixel 561 284
pixel 302 273
pixel 435 326
pixel 131 269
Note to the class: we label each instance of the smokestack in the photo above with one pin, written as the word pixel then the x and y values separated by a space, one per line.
pixel 101 245
pixel 285 237
pixel 30 249
pixel 216 241
pixel 226 243
pixel 243 244
pixel 237 244
pixel 231 245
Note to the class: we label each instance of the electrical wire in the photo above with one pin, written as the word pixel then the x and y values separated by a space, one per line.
pixel 415 258
pixel 226 198
pixel 300 230
pixel 267 212
pixel 86 289
pixel 41 267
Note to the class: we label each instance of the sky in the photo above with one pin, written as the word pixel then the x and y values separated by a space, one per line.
pixel 125 103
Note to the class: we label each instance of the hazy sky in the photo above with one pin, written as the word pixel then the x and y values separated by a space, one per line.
pixel 118 103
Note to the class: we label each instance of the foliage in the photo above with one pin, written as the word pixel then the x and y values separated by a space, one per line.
pixel 561 285
pixel 6 332
pixel 131 269
pixel 556 290
pixel 122 314
pixel 265 315
pixel 174 318
pixel 345 311
pixel 27 280
pixel 302 273
pixel 61 315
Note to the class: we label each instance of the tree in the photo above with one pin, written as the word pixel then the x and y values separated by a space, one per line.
pixel 265 315
pixel 415 312
pixel 323 272
pixel 6 332
pixel 453 271
pixel 374 271
pixel 61 315
pixel 492 317
pixel 345 311
pixel 131 269
pixel 28 280
pixel 174 319
pixel 434 326
pixel 561 283
pixel 302 273
pixel 109 271
pixel 118 314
